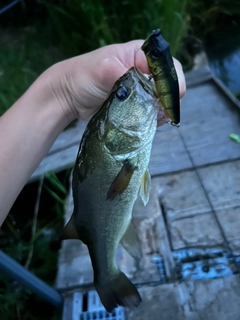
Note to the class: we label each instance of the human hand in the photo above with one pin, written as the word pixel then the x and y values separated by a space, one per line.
pixel 74 88
pixel 83 83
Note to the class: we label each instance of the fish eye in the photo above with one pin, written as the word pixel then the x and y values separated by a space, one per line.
pixel 122 93
pixel 156 53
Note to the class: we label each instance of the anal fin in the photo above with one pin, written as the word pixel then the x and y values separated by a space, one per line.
pixel 145 187
pixel 70 231
pixel 131 243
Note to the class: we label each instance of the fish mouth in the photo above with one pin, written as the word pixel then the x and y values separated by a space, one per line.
pixel 145 82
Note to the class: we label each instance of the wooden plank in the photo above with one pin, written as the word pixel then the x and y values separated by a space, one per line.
pixel 198 76
pixel 69 137
pixel 222 182
pixel 56 162
pixel 62 154
pixel 208 117
pixel 226 91
pixel 168 152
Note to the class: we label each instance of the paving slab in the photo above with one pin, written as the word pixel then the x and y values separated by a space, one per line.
pixel 190 300
pixel 198 231
pixel 150 226
pixel 230 222
pixel 222 183
pixel 182 195
pixel 189 217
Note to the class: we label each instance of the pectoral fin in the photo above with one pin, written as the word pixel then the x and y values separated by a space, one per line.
pixel 122 180
pixel 145 187
pixel 70 231
pixel 131 243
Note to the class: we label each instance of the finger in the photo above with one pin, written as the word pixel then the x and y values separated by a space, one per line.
pixel 162 118
pixel 181 77
pixel 138 58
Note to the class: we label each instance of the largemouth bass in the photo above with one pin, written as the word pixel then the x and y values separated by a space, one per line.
pixel 160 63
pixel 110 170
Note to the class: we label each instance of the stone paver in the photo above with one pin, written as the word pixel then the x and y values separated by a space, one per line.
pixel 197 231
pixel 182 195
pixel 190 300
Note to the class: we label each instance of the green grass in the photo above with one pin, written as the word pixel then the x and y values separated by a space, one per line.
pixel 88 24
pixel 75 27
pixel 23 56
pixel 30 235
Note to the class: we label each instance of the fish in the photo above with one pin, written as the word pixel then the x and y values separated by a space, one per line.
pixel 161 66
pixel 111 170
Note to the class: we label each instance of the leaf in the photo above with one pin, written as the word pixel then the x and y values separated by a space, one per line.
pixel 55 182
pixel 54 195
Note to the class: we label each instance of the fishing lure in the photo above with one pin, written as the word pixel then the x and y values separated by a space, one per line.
pixel 160 62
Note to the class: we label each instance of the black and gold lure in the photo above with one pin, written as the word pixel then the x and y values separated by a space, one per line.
pixel 160 62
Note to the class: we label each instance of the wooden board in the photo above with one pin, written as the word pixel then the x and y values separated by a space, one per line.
pixel 168 152
pixel 208 118
pixel 208 115
pixel 63 152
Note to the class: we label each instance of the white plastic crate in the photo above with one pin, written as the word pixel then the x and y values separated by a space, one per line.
pixel 95 309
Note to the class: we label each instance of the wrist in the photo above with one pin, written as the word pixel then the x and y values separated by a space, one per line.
pixel 51 92
pixel 61 89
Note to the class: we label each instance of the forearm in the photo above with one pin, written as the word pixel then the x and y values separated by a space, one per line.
pixel 27 131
